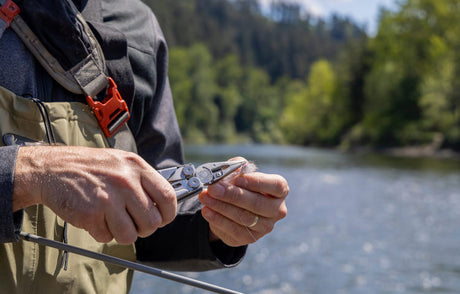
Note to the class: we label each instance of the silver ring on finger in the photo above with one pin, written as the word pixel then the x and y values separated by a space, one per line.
pixel 254 223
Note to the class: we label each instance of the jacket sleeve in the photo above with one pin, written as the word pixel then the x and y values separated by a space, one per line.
pixel 10 223
pixel 183 244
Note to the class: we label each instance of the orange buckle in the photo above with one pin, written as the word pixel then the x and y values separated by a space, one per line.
pixel 8 11
pixel 112 113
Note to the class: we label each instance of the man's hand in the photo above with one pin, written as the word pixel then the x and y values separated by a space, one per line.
pixel 231 208
pixel 108 192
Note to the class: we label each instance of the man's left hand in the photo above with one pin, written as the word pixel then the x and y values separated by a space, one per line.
pixel 245 210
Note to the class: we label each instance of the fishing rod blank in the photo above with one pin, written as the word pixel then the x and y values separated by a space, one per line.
pixel 127 264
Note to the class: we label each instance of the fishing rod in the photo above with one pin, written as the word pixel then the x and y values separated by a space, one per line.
pixel 127 264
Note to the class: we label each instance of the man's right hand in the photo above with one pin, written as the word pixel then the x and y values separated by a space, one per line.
pixel 108 192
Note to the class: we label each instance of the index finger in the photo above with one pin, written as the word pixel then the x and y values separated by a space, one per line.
pixel 162 194
pixel 271 184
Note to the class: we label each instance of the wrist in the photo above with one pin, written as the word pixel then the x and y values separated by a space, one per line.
pixel 25 190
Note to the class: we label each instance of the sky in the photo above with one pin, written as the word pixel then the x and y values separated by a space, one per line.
pixel 365 12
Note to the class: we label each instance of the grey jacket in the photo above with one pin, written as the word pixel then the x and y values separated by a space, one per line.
pixel 182 245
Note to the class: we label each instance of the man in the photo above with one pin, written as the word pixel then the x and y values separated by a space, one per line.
pixel 111 198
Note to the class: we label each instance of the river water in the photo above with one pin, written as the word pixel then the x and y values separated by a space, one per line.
pixel 356 224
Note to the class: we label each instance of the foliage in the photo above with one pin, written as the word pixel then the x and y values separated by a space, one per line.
pixel 410 90
pixel 399 88
pixel 222 101
pixel 307 117
pixel 281 41
pixel 194 89
pixel 232 67
pixel 240 73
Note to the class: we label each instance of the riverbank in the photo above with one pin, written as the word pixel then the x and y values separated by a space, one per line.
pixel 408 152
pixel 420 151
pixel 417 151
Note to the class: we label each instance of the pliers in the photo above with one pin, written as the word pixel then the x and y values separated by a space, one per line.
pixel 188 180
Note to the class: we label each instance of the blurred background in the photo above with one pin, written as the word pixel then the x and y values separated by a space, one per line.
pixel 357 104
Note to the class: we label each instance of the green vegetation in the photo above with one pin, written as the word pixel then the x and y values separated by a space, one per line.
pixel 278 76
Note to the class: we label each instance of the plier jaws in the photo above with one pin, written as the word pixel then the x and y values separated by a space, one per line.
pixel 188 181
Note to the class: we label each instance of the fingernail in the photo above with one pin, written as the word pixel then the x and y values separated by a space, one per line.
pixel 241 182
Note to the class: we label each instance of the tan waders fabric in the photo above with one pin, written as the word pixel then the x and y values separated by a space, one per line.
pixel 29 268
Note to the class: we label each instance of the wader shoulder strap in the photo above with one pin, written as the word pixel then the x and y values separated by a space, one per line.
pixel 66 47
pixel 83 74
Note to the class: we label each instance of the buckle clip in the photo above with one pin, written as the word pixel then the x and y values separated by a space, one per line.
pixel 8 11
pixel 112 113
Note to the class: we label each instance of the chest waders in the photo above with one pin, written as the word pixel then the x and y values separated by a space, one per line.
pixel 29 268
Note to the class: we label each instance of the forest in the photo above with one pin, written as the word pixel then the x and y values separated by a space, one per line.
pixel 241 73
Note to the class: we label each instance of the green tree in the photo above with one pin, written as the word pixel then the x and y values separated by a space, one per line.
pixel 258 113
pixel 440 97
pixel 228 96
pixel 411 90
pixel 181 85
pixel 193 86
pixel 307 116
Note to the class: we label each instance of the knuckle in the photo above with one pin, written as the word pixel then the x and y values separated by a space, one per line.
pixel 169 206
pixel 98 232
pixel 282 211
pixel 282 186
pixel 231 242
pixel 126 238
pixel 154 221
pixel 103 199
pixel 106 205
pixel 168 193
pixel 105 239
pixel 286 189
pixel 149 221
pixel 101 237
pixel 144 228
pixel 145 232
pixel 233 193
pixel 164 189
pixel 166 219
pixel 132 158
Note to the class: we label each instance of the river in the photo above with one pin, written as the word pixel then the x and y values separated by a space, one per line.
pixel 356 224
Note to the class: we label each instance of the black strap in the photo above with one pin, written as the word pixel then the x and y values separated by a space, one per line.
pixel 114 45
pixel 79 54
pixel 62 41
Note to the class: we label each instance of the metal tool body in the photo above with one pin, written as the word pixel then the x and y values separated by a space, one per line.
pixel 188 180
